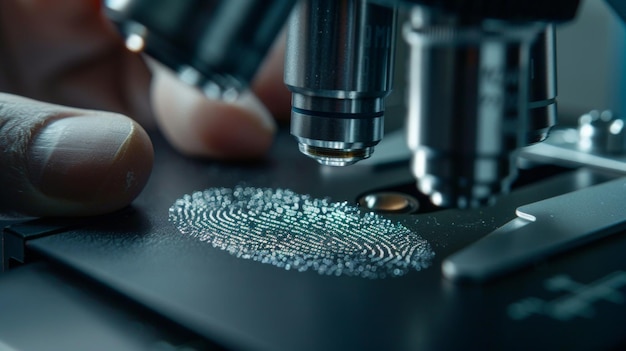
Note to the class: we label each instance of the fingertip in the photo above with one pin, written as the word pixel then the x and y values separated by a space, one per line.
pixel 198 126
pixel 131 167
pixel 232 132
pixel 86 165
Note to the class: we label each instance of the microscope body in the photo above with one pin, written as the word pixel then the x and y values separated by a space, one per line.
pixel 481 75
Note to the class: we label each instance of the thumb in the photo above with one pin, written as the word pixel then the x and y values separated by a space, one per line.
pixel 61 161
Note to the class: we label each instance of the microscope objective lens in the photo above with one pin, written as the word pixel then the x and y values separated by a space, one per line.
pixel 338 66
pixel 298 232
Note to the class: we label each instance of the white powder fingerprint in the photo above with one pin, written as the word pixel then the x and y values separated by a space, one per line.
pixel 294 231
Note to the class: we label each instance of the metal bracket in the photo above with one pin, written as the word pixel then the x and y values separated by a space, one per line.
pixel 15 236
pixel 542 229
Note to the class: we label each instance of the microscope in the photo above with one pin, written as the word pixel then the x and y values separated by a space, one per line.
pixel 542 269
pixel 481 77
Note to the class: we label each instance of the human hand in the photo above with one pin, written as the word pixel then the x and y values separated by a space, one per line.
pixel 67 161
